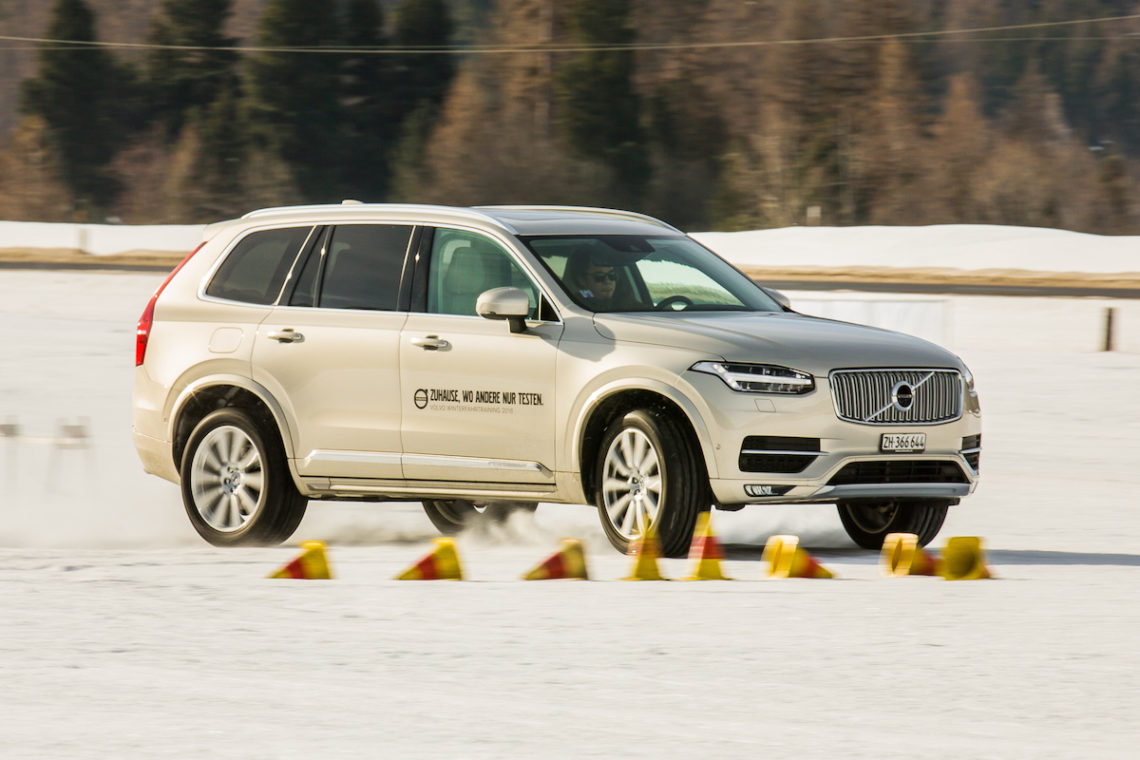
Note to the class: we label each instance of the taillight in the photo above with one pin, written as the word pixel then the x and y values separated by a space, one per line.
pixel 142 334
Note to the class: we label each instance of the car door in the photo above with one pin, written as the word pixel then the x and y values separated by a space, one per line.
pixel 477 399
pixel 330 352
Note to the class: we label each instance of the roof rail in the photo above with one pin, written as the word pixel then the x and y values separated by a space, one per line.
pixel 631 215
pixel 350 207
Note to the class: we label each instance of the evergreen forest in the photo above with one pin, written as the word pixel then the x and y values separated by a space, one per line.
pixel 711 114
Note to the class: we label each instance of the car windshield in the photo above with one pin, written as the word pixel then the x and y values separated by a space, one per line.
pixel 628 273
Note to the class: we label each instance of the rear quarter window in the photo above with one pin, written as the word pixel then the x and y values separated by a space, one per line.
pixel 256 268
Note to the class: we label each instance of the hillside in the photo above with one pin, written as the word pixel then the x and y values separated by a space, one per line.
pixel 118 21
pixel 718 114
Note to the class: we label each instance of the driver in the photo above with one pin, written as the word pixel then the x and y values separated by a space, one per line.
pixel 590 279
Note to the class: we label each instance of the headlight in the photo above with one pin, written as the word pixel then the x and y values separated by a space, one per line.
pixel 759 378
pixel 967 376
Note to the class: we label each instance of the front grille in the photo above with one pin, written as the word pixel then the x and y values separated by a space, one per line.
pixel 901 471
pixel 897 396
pixel 777 453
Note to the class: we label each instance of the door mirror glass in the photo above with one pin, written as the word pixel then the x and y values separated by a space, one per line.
pixel 511 304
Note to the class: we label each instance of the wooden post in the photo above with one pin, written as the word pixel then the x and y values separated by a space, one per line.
pixel 1109 338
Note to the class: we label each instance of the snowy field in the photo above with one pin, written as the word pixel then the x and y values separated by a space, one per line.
pixel 974 247
pixel 125 636
pixel 955 246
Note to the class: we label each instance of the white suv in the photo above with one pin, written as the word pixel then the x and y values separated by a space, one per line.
pixel 485 359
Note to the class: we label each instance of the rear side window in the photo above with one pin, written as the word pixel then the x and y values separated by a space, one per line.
pixel 362 266
pixel 256 268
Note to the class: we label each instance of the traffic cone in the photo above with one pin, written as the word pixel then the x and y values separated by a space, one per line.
pixel 902 556
pixel 312 564
pixel 705 552
pixel 646 548
pixel 440 564
pixel 786 559
pixel 963 559
pixel 568 562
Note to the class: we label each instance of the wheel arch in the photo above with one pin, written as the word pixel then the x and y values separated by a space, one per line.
pixel 201 398
pixel 608 404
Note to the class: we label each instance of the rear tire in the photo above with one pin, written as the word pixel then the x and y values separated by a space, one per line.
pixel 452 516
pixel 649 473
pixel 869 522
pixel 236 485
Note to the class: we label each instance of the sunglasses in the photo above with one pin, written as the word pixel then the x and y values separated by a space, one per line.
pixel 603 276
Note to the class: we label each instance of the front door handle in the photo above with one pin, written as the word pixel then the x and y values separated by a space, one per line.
pixel 431 343
pixel 288 335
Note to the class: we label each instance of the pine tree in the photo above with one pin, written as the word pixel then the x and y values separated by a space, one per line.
pixel 493 139
pixel 599 107
pixel 370 125
pixel 178 80
pixel 29 179
pixel 419 85
pixel 961 145
pixel 422 78
pixel 891 155
pixel 807 120
pixel 74 93
pixel 294 96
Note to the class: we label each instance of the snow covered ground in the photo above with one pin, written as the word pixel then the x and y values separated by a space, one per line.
pixel 124 636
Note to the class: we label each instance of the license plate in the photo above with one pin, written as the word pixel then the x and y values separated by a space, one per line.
pixel 903 443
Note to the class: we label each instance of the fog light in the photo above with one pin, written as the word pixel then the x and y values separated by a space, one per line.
pixel 758 490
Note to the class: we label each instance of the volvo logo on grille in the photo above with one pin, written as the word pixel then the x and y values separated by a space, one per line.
pixel 902 396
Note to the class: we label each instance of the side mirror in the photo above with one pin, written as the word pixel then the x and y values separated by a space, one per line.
pixel 510 304
pixel 778 297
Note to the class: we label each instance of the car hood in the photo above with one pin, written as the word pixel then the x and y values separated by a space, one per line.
pixel 812 344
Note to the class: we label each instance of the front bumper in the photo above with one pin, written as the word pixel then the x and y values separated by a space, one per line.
pixel 848 463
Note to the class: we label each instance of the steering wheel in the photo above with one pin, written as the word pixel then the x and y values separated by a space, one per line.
pixel 667 304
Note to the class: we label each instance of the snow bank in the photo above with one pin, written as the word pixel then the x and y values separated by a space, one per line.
pixel 954 246
pixel 950 246
pixel 100 239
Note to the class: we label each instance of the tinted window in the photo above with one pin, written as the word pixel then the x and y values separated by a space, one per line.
pixel 362 266
pixel 464 265
pixel 305 291
pixel 255 269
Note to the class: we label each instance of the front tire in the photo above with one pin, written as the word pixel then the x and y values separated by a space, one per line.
pixel 236 484
pixel 869 522
pixel 649 473
pixel 452 516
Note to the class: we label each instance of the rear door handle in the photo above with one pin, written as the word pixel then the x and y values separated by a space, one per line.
pixel 288 335
pixel 431 343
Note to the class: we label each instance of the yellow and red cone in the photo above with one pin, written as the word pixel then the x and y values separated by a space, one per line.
pixel 312 564
pixel 705 552
pixel 785 559
pixel 964 559
pixel 646 549
pixel 440 564
pixel 569 562
pixel 902 556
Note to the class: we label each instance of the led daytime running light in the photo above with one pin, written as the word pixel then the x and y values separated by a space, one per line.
pixel 759 378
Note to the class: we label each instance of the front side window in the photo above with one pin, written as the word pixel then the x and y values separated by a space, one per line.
pixel 624 273
pixel 362 266
pixel 256 268
pixel 467 264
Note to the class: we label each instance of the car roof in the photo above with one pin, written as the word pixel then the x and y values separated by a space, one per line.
pixel 516 220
